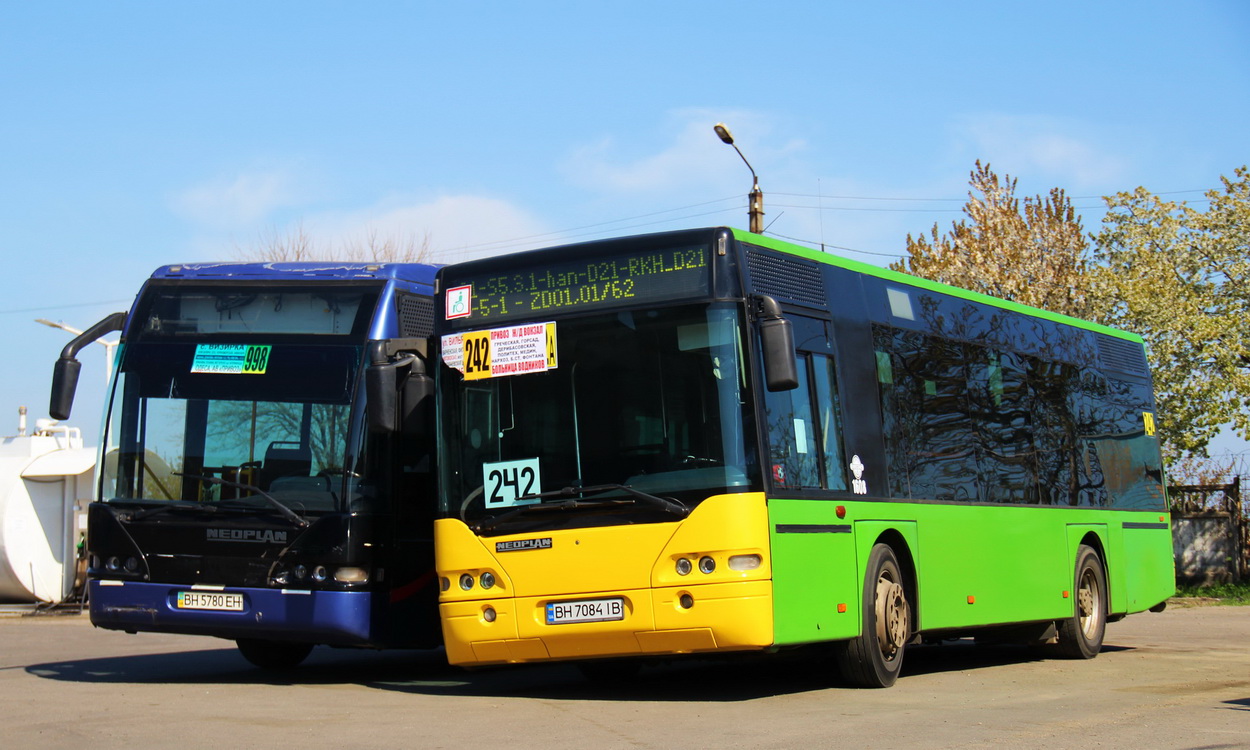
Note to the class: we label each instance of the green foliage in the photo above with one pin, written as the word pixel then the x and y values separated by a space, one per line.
pixel 1036 256
pixel 1178 276
pixel 1226 593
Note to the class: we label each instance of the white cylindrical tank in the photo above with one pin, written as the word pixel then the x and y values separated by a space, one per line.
pixel 46 481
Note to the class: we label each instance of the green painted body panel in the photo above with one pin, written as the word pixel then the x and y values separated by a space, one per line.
pixel 975 565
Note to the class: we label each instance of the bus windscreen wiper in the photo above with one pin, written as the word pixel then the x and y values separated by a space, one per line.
pixel 286 512
pixel 177 505
pixel 573 502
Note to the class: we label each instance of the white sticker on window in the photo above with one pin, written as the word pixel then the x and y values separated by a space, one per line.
pixel 505 483
pixel 800 436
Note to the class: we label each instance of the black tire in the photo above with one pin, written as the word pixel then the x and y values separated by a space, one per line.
pixel 1080 636
pixel 874 658
pixel 273 654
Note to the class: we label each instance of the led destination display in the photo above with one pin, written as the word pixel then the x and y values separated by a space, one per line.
pixel 638 277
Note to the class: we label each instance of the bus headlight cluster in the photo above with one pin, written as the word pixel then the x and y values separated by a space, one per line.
pixel 300 573
pixel 116 564
pixel 707 564
pixel 486 580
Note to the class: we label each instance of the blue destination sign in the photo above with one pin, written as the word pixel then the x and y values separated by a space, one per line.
pixel 547 288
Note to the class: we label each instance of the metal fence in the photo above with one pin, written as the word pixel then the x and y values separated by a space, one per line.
pixel 1211 533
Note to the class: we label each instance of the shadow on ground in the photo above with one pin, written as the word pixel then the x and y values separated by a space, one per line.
pixel 724 679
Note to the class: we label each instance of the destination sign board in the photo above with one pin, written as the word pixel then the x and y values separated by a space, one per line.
pixel 542 289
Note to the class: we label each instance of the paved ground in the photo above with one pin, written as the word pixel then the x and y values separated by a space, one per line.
pixel 1180 679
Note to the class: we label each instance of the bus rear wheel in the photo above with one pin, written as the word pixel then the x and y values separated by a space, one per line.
pixel 273 654
pixel 1080 636
pixel 874 658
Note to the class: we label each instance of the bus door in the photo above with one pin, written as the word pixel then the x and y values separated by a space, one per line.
pixel 813 553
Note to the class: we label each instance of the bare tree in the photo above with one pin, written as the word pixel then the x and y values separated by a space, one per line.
pixel 297 245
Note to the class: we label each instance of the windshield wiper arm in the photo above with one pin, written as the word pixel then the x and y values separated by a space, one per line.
pixel 286 512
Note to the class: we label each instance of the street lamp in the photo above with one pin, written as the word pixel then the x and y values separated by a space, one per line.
pixel 109 346
pixel 755 201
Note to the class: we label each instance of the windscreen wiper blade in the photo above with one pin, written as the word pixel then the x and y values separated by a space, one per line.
pixel 573 502
pixel 666 504
pixel 286 512
pixel 569 504
pixel 177 505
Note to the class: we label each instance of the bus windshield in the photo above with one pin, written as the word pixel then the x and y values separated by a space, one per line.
pixel 177 433
pixel 641 402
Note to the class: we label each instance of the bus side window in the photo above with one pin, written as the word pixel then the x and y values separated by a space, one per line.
pixel 792 448
pixel 826 391
pixel 805 429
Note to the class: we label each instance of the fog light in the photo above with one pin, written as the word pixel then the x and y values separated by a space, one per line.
pixel 488 614
pixel 487 580
pixel 686 601
pixel 319 573
pixel 466 581
pixel 706 565
pixel 684 567
pixel 351 575
pixel 745 562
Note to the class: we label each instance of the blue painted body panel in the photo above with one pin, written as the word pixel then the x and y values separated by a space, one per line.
pixel 338 618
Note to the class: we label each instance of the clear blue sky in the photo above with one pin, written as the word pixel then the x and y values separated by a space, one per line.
pixel 135 134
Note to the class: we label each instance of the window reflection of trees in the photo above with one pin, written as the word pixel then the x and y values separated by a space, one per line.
pixel 967 416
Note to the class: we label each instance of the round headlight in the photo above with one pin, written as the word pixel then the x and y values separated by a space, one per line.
pixel 319 573
pixel 132 565
pixel 113 563
pixel 487 580
pixel 488 614
pixel 466 581
pixel 706 564
pixel 684 566
pixel 444 583
pixel 300 571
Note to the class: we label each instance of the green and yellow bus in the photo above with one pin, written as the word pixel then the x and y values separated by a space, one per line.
pixel 712 441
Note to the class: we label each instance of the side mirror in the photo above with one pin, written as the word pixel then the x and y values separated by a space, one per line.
pixel 781 371
pixel 64 384
pixel 65 371
pixel 396 400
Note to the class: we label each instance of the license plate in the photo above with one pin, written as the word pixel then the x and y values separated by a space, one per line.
pixel 587 610
pixel 214 600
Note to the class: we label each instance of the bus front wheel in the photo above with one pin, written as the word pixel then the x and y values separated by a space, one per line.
pixel 874 658
pixel 273 654
pixel 1080 636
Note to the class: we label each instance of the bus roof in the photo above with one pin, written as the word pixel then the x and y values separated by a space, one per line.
pixel 419 273
pixel 917 281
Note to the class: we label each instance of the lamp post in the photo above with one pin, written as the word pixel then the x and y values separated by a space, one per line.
pixel 109 346
pixel 755 201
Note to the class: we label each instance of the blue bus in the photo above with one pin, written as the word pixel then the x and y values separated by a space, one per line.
pixel 266 466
